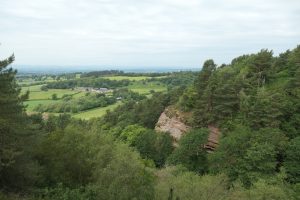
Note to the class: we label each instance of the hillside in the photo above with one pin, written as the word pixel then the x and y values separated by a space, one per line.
pixel 226 132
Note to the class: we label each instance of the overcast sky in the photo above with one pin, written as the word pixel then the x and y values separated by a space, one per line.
pixel 144 32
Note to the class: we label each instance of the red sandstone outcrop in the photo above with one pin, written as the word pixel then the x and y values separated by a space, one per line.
pixel 173 122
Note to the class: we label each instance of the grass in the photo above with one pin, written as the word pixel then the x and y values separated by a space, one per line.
pixel 33 103
pixel 29 81
pixel 37 94
pixel 96 112
pixel 33 88
pixel 141 88
pixel 48 94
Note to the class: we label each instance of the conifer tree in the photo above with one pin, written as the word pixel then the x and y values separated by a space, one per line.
pixel 203 105
pixel 261 66
pixel 11 110
pixel 15 164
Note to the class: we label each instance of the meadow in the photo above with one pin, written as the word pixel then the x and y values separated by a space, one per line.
pixel 96 112
pixel 35 92
pixel 38 96
pixel 146 88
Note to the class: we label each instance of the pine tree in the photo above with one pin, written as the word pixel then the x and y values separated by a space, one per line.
pixel 205 91
pixel 201 82
pixel 15 134
pixel 261 66
pixel 11 110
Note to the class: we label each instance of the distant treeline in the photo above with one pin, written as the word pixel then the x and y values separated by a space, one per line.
pixel 121 73
pixel 178 79
pixel 86 82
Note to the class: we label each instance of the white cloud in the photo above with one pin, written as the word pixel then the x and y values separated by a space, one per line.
pixel 144 32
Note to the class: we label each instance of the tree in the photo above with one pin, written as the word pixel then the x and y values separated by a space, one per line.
pixel 201 82
pixel 292 161
pixel 54 97
pixel 260 67
pixel 246 155
pixel 17 169
pixel 191 153
pixel 266 109
pixel 131 133
pixel 174 184
pixel 155 146
pixel 124 177
pixel 205 87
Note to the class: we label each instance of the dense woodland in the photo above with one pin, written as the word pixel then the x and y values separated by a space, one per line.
pixel 254 101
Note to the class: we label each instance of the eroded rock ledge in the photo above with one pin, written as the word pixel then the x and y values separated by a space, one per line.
pixel 174 122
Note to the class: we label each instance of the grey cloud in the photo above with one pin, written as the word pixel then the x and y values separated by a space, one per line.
pixel 144 32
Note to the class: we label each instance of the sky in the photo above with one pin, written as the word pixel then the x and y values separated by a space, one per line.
pixel 144 33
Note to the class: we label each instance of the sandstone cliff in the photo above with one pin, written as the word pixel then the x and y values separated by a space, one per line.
pixel 174 122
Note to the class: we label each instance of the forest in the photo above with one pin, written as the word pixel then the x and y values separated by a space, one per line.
pixel 254 101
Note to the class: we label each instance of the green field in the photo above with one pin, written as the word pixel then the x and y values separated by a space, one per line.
pixel 30 105
pixel 37 96
pixel 96 112
pixel 35 92
pixel 33 88
pixel 29 81
pixel 142 88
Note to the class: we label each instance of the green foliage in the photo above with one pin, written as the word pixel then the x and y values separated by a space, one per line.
pixel 61 192
pixel 246 155
pixel 265 109
pixel 131 133
pixel 177 79
pixel 124 177
pixel 262 190
pixel 145 113
pixel 103 168
pixel 17 133
pixel 174 183
pixel 76 105
pixel 187 99
pixel 191 153
pixel 260 67
pixel 54 97
pixel 188 185
pixel 126 94
pixel 254 100
pixel 155 146
pixel 87 82
pixel 253 88
pixel 292 160
pixel 65 157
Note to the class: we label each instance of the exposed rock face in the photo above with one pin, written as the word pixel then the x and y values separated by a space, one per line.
pixel 173 122
pixel 213 138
